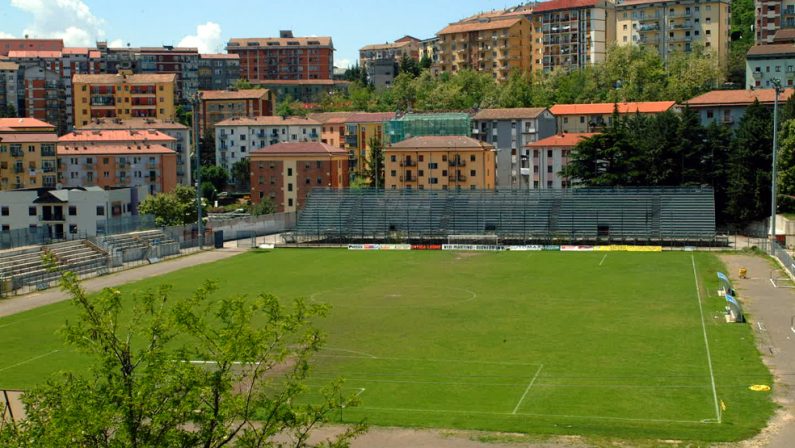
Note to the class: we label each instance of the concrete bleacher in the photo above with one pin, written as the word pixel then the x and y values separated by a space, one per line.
pixel 592 214
pixel 137 246
pixel 26 267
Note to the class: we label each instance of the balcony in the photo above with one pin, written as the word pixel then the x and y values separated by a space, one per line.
pixel 649 19
pixel 17 153
pixel 351 140
pixel 19 169
pixel 458 162
pixel 408 162
pixel 757 76
pixel 457 178
pixel 408 178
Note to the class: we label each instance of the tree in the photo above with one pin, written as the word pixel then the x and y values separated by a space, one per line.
pixel 216 175
pixel 289 107
pixel 750 166
pixel 207 147
pixel 409 66
pixel 264 207
pixel 375 163
pixel 425 62
pixel 241 174
pixel 184 117
pixel 8 111
pixel 786 166
pixel 144 390
pixel 174 208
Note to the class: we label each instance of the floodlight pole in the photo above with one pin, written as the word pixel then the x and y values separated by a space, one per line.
pixel 196 103
pixel 777 86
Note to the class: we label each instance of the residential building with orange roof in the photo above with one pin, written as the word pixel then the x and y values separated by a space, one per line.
pixel 27 154
pixel 381 61
pixel 669 26
pixel 180 132
pixel 8 45
pixel 579 118
pixel 182 62
pixel 284 58
pixel 237 138
pixel 766 63
pixel 727 107
pixel 440 163
pixel 123 95
pixel 218 71
pixel 118 158
pixel 550 156
pixel 360 129
pixel 285 173
pixel 42 93
pixel 772 16
pixel 332 127
pixel 492 45
pixel 509 131
pixel 220 105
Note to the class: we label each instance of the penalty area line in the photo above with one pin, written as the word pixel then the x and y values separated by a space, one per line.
pixel 529 386
pixel 706 341
pixel 21 363
pixel 603 260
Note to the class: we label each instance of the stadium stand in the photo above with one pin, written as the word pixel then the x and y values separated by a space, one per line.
pixel 26 267
pixel 138 246
pixel 627 215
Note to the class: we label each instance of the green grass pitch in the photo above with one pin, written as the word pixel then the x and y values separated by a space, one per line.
pixel 546 343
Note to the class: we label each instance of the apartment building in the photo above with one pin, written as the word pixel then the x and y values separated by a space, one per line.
pixel 303 90
pixel 284 58
pixel 218 71
pixel 67 211
pixel 429 48
pixel 772 16
pixel 493 45
pixel 381 61
pixel 510 131
pixel 575 33
pixel 360 128
pixel 440 163
pixel 123 95
pixel 183 63
pixel 27 154
pixel 41 88
pixel 116 158
pixel 285 173
pixel 727 107
pixel 180 133
pixel 586 118
pixel 766 63
pixel 550 156
pixel 8 84
pixel 238 138
pixel 332 127
pixel 675 25
pixel 220 105
pixel 9 45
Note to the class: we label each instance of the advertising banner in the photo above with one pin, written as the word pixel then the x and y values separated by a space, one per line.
pixel 472 247
pixel 530 248
pixel 576 248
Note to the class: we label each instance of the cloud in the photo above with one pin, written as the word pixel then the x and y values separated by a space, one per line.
pixel 117 43
pixel 70 20
pixel 207 38
pixel 5 35
pixel 342 63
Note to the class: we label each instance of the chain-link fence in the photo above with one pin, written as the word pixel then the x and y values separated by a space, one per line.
pixel 45 234
pixel 255 226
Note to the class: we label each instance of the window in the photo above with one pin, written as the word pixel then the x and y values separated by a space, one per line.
pixel 289 187
pixel 289 171
pixel 4 211
pixel 393 173
pixel 31 211
pixel 289 202
pixel 320 181
pixel 421 157
pixel 393 158
pixel 308 181
pixel 420 173
pixel 549 153
pixel 549 168
pixel 432 166
pixel 6 228
pixel 100 210
pixel 472 173
pixel 472 158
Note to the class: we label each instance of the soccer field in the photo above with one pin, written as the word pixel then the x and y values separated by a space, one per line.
pixel 627 345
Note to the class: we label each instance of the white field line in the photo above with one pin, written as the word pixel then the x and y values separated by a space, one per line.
pixel 551 386
pixel 461 361
pixel 343 350
pixel 523 414
pixel 773 283
pixel 29 360
pixel 529 386
pixel 706 341
pixel 603 260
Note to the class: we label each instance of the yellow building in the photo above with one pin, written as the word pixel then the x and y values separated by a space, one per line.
pixel 124 95
pixel 497 45
pixel 440 163
pixel 27 154
pixel 675 25
pixel 359 129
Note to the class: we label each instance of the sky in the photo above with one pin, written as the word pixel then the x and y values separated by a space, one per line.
pixel 208 25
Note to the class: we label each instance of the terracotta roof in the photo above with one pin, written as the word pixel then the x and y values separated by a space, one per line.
pixel 115 135
pixel 137 78
pixel 563 4
pixel 331 117
pixel 75 50
pixel 243 43
pixel 787 49
pixel 298 82
pixel 27 136
pixel 507 114
pixel 300 148
pixel 561 140
pixel 132 123
pixel 219 56
pixel 386 46
pixel 7 45
pixel 450 142
pixel 480 26
pixel 170 50
pixel 111 149
pixel 737 97
pixel 24 123
pixel 784 35
pixel 370 117
pixel 651 107
pixel 245 94
pixel 268 121
pixel 33 54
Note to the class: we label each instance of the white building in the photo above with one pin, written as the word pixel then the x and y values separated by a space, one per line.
pixel 236 138
pixel 67 213
pixel 763 63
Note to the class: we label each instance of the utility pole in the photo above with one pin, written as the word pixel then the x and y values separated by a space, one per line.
pixel 773 188
pixel 196 103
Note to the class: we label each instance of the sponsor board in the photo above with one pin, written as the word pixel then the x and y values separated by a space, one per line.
pixel 364 247
pixel 473 247
pixel 551 248
pixel 576 248
pixel 266 246
pixel 395 247
pixel 525 248
pixel 624 248
pixel 426 247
